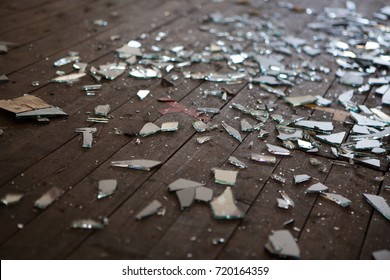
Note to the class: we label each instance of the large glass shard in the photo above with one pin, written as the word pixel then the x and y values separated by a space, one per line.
pixel 381 255
pixel 367 144
pixel 283 244
pixel 186 197
pixel 276 150
pixel 379 203
pixel 111 71
pixel 224 206
pixel 332 139
pixel 87 224
pixel 383 116
pixel 305 145
pixel 316 125
pixel 42 113
pixel 149 129
pixel 317 188
pixel 225 177
pixel 263 158
pixel 169 126
pixel 102 110
pixel 360 129
pixel 69 79
pixel 232 132
pixel 300 100
pixel 301 178
pixel 143 93
pixel 181 183
pixel 297 134
pixel 48 198
pixel 377 135
pixel 352 79
pixel 289 201
pixel 87 135
pixel 106 187
pixel 236 162
pixel 362 120
pixel 203 194
pixel 138 164
pixel 339 199
pixel 11 198
pixel 150 209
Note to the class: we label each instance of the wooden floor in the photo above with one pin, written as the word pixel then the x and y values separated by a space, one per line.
pixel 34 157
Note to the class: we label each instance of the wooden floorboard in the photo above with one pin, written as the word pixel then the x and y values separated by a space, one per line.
pixel 34 158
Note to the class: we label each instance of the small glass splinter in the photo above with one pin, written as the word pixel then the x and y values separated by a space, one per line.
pixel 86 224
pixel 276 150
pixel 48 198
pixel 87 135
pixel 224 207
pixel 138 164
pixel 106 187
pixel 263 158
pixel 11 198
pixel 149 210
pixel 339 199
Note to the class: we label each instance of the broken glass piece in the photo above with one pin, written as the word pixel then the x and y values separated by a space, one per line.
pixel 86 224
pixel 91 87
pixel 201 126
pixel 149 129
pixel 234 161
pixel 145 73
pixel 224 207
pixel 170 126
pixel 359 129
pixel 66 60
pixel 238 58
pixel 111 71
pixel 367 144
pixel 283 244
pixel 354 79
pixel 317 188
pixel 316 125
pixel 300 100
pixel 203 194
pixel 273 90
pixel 282 203
pixel 138 164
pixel 35 83
pixel 379 203
pixel 333 139
pixel 311 51
pixel 149 210
pixel 42 113
pixel 203 139
pixel 278 178
pixel 127 51
pixel 294 41
pixel 87 135
pixel 82 67
pixel 276 150
pixel 323 101
pixel 246 126
pixel 386 98
pixel 339 199
pixel 106 187
pixel 100 22
pixel 381 255
pixel 378 151
pixel 362 120
pixel 208 110
pixel 181 183
pixel 371 162
pixel 232 132
pixel 294 135
pixel 11 198
pixel 186 197
pixel 278 118
pixel 3 78
pixel 143 93
pixel 289 201
pixel 102 110
pixel 69 79
pixel 301 178
pixel 3 48
pixel 225 177
pixel 218 240
pixel 48 198
pixel 97 120
pixel 345 100
pixel 305 145
pixel 268 62
pixel 383 116
pixel 263 158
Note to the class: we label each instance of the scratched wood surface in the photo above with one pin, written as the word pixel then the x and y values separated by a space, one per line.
pixel 34 158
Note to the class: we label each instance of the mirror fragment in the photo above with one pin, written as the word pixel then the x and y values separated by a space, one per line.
pixel 86 224
pixel 203 194
pixel 224 206
pixel 283 244
pixel 379 203
pixel 225 177
pixel 87 135
pixel 381 255
pixel 106 187
pixel 149 129
pixel 102 110
pixel 48 198
pixel 278 178
pixel 286 198
pixel 282 203
pixel 150 209
pixel 276 150
pixel 232 132
pixel 236 162
pixel 143 93
pixel 332 139
pixel 263 158
pixel 181 183
pixel 339 199
pixel 300 100
pixel 203 139
pixel 317 188
pixel 170 126
pixel 301 178
pixel 137 164
pixel 11 199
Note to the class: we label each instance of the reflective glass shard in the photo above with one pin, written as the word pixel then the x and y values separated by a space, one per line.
pixel 276 150
pixel 283 244
pixel 232 132
pixel 386 98
pixel 145 73
pixel 300 100
pixel 377 135
pixel 42 113
pixel 352 79
pixel 305 145
pixel 345 99
pixel 301 178
pixel 138 164
pixel 97 120
pixel 70 78
pixel 339 199
pixel 282 203
pixel 87 135
pixel 208 110
pixel 288 199
pixel 224 206
pixel 316 125
pixel 150 209
pixel 149 129
pixel 170 126
pixel 381 255
pixel 203 139
pixel 278 178
pixel 92 87
pixel 321 101
pixel 236 162
pixel 200 126
pixel 106 187
pixel 143 93
pixel 263 134
pixel 3 78
pixel 263 158
pixel 367 144
pixel 317 188
pixel 127 51
pixel 378 151
pixel 225 177
pixel 186 197
pixel 87 224
pixel 360 129
pixel 246 126
pixel 378 81
pixel 11 198
pixel 379 203
pixel 203 194
pixel 383 89
pixel 48 198
pixel 294 41
pixel 102 110
pixel 333 139
pixel 383 116
pixel 66 60
pixel 311 51
pixel 362 120
pixel 181 183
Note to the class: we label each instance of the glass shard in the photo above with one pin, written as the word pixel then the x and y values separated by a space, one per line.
pixel 225 177
pixel 352 79
pixel 317 188
pixel 11 198
pixel 86 224
pixel 42 113
pixel 102 110
pixel 294 41
pixel 246 126
pixel 380 114
pixel 316 125
pixel 48 198
pixel 149 129
pixel 305 145
pixel 263 158
pixel 381 255
pixel 236 162
pixel 224 206
pixel 92 87
pixel 360 129
pixel 186 197
pixel 332 139
pixel 150 209
pixel 263 134
pixel 181 183
pixel 232 132
pixel 282 203
pixel 110 71
pixel 208 110
pixel 345 99
pixel 143 93
pixel 69 79
pixel 300 100
pixel 138 164
pixel 289 201
pixel 378 151
pixel 203 139
pixel 339 199
pixel 87 135
pixel 364 121
pixel 379 203
pixel 279 178
pixel 66 60
pixel 301 178
pixel 203 194
pixel 106 187
pixel 3 78
pixel 97 120
pixel 170 126
pixel 321 101
pixel 296 134
pixel 283 244
pixel 145 73
pixel 276 150
pixel 201 126
pixel 367 144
